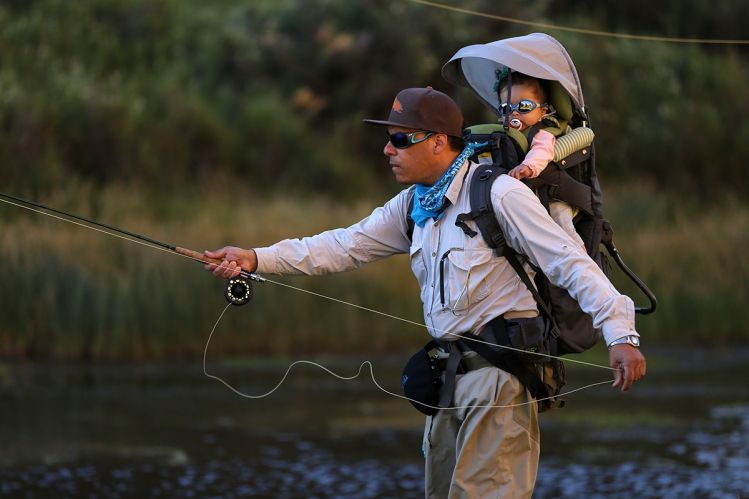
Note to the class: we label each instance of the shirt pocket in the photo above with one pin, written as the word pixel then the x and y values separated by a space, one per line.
pixel 419 268
pixel 464 278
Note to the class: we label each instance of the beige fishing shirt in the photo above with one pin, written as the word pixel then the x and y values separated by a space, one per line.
pixel 476 286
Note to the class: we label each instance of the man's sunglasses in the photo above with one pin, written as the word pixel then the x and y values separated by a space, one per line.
pixel 403 140
pixel 523 107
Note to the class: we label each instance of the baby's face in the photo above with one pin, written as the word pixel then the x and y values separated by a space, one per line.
pixel 521 92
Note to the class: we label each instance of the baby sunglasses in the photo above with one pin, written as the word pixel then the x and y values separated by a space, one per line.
pixel 403 140
pixel 523 107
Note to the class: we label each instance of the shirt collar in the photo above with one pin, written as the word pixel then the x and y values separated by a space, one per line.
pixel 457 184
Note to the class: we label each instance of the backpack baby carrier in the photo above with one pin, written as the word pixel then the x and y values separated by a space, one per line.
pixel 571 176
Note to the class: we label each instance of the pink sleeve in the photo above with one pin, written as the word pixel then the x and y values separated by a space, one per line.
pixel 541 152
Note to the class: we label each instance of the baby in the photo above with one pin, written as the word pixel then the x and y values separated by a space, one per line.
pixel 528 108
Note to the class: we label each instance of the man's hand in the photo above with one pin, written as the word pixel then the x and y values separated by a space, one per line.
pixel 629 364
pixel 234 260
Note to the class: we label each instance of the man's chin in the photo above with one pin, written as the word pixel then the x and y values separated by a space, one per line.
pixel 403 180
pixel 398 174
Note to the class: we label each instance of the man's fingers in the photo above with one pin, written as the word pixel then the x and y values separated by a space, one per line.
pixel 226 269
pixel 638 371
pixel 617 378
pixel 628 365
pixel 233 261
pixel 625 378
pixel 620 379
pixel 218 254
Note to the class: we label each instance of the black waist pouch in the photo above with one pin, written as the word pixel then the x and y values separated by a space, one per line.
pixel 529 335
pixel 421 379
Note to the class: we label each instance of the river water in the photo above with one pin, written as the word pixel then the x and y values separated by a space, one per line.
pixel 168 431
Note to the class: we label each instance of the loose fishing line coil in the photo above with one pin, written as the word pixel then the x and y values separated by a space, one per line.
pixel 368 364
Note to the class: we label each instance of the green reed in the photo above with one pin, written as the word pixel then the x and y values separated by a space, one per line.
pixel 71 293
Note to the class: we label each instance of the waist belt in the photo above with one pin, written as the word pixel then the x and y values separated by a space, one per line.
pixel 469 361
pixel 474 363
pixel 484 355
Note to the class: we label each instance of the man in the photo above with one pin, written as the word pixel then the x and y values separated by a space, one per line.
pixel 471 451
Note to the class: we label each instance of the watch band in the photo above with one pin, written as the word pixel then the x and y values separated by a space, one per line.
pixel 631 340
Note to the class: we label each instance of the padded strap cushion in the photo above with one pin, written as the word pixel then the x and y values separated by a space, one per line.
pixel 490 128
pixel 575 140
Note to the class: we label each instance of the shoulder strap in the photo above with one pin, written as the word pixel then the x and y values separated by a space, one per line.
pixel 482 213
pixel 543 306
pixel 409 219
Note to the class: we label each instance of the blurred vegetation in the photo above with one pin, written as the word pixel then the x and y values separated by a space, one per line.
pixel 70 293
pixel 201 123
pixel 168 92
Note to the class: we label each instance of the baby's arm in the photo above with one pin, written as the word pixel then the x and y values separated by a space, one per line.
pixel 540 154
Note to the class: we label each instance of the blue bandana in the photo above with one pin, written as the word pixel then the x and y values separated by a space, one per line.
pixel 430 201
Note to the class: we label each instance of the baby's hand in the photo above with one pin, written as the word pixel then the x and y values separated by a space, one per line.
pixel 520 172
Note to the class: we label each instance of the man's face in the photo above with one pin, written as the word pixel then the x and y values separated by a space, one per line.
pixel 415 164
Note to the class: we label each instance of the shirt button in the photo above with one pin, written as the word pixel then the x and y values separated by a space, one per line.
pixel 434 253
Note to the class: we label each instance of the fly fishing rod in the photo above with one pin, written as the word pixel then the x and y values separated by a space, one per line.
pixel 238 290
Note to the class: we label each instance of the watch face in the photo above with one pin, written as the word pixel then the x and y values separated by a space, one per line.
pixel 634 341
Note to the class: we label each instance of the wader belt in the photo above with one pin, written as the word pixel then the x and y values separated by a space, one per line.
pixel 495 332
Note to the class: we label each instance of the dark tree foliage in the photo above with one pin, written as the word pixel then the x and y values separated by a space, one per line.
pixel 272 92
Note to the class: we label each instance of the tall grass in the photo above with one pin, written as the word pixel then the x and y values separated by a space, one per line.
pixel 71 293
pixel 692 256
pixel 67 292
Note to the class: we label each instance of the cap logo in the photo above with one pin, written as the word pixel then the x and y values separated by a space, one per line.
pixel 397 106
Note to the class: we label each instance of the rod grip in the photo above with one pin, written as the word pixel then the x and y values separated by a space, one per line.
pixel 196 255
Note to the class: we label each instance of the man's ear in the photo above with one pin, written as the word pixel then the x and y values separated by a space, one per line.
pixel 440 143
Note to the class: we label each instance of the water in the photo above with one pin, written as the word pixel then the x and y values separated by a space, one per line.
pixel 167 431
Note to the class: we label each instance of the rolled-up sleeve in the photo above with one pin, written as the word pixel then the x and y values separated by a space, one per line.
pixel 530 230
pixel 381 234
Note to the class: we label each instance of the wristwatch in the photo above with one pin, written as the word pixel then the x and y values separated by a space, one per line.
pixel 632 340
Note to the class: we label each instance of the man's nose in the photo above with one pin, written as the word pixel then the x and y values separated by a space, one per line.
pixel 389 150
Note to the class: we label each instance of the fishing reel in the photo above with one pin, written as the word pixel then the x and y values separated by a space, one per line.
pixel 238 291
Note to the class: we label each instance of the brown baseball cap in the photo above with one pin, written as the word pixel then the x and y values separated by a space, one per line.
pixel 424 109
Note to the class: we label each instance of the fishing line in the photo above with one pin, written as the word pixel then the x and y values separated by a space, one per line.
pixel 583 31
pixel 87 226
pixel 144 241
pixel 420 324
pixel 368 364
pixel 90 224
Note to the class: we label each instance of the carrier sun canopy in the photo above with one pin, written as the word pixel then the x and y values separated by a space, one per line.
pixel 538 55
